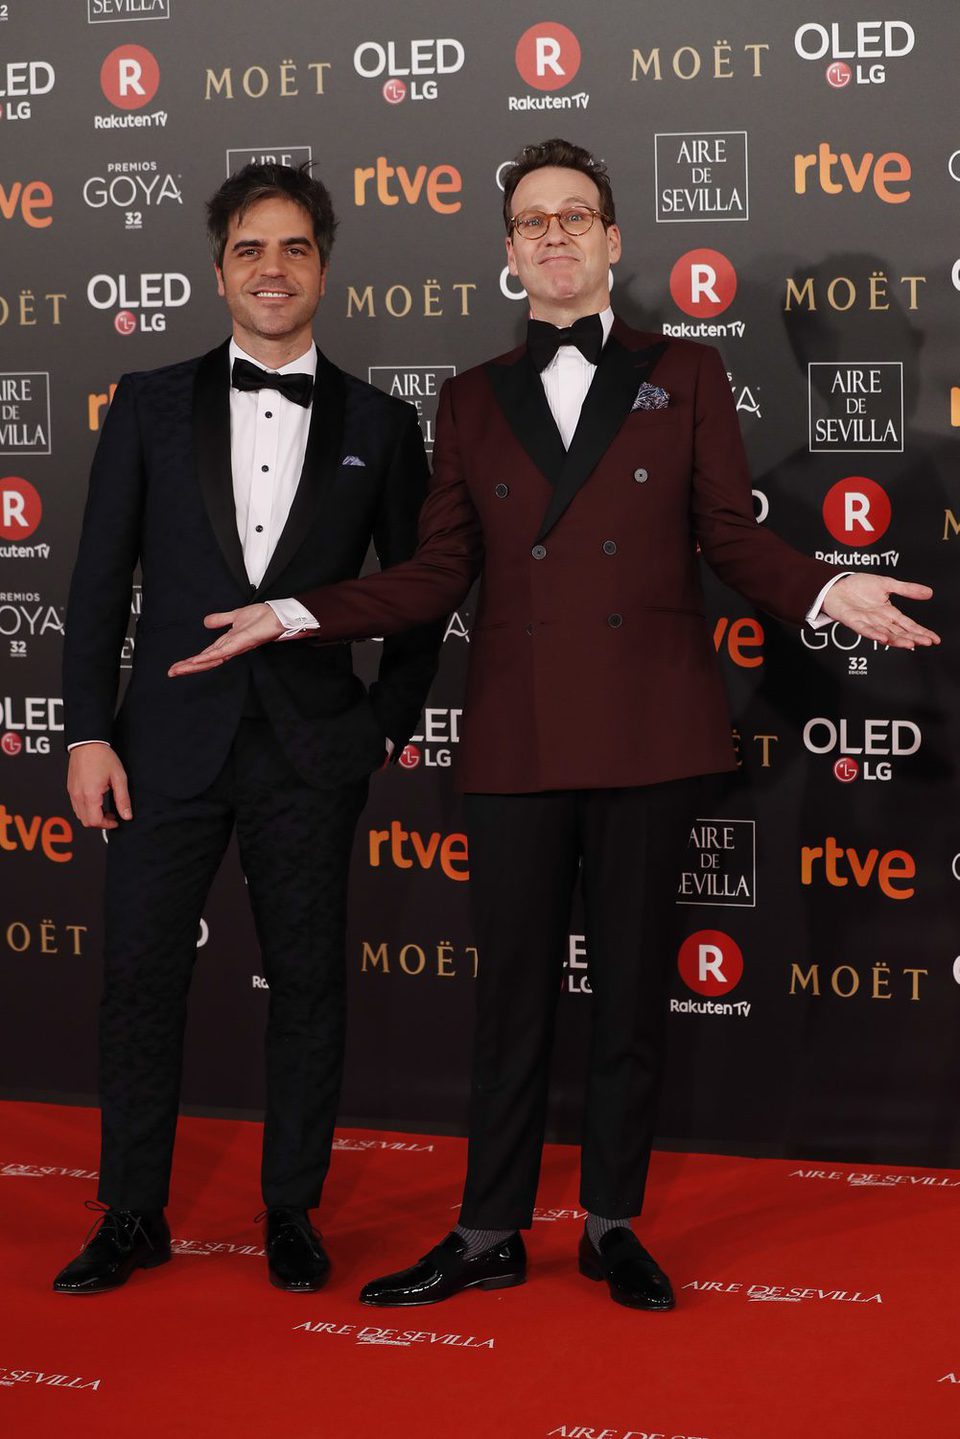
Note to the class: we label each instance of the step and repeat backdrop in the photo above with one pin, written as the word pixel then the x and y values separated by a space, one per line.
pixel 788 187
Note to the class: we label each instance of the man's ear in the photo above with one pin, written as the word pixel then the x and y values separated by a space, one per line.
pixel 511 258
pixel 219 274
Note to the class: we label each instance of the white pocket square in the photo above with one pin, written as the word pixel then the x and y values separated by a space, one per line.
pixel 651 397
pixel 354 460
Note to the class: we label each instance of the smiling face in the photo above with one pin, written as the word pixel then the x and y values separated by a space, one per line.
pixel 565 276
pixel 272 279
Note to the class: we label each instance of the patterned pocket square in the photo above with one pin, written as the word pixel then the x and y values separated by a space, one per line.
pixel 354 460
pixel 651 397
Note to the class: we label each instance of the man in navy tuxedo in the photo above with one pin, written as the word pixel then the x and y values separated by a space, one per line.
pixel 250 473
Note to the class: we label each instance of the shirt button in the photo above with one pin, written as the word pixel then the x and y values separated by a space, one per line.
pixel 502 491
pixel 264 468
pixel 539 552
pixel 614 621
pixel 259 529
pixel 609 547
pixel 268 414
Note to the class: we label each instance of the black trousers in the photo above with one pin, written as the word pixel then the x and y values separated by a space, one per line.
pixel 295 845
pixel 525 855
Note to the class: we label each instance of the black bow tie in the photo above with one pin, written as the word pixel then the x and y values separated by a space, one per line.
pixel 297 387
pixel 543 340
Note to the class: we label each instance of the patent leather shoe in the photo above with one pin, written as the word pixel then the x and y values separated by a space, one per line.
pixel 120 1241
pixel 633 1276
pixel 445 1271
pixel 296 1258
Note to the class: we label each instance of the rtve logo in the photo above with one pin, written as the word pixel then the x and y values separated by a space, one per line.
pixel 710 962
pixel 27 198
pixel 892 870
pixel 548 56
pixel 891 168
pixel 435 184
pixel 20 508
pixel 857 511
pixel 130 77
pixel 408 848
pixel 703 283
pixel 53 835
pixel 739 640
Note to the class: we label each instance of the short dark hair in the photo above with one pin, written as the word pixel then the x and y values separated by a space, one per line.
pixel 569 157
pixel 264 182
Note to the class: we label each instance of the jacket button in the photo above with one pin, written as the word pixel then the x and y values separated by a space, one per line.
pixel 640 475
pixel 529 629
pixel 609 547
pixel 502 491
pixel 539 552
pixel 614 621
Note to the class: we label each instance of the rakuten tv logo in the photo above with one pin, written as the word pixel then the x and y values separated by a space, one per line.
pixel 21 509
pixel 857 511
pixel 710 962
pixel 703 283
pixel 130 77
pixel 548 56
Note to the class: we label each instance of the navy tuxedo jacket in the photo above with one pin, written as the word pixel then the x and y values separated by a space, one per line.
pixel 591 659
pixel 161 495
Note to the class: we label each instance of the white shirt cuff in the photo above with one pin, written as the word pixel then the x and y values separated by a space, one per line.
pixel 294 617
pixel 813 617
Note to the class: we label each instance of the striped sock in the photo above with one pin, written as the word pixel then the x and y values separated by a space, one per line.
pixel 480 1239
pixel 598 1227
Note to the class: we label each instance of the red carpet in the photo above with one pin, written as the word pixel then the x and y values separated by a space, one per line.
pixel 812 1301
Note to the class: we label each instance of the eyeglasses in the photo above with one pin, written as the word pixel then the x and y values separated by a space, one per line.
pixel 576 220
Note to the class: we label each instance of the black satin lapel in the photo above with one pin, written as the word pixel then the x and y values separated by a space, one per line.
pixel 211 438
pixel 609 401
pixel 519 393
pixel 320 460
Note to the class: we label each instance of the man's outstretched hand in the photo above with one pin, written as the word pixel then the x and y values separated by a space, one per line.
pixel 863 604
pixel 250 626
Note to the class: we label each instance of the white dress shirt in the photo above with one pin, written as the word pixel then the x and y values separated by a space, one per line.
pixel 566 381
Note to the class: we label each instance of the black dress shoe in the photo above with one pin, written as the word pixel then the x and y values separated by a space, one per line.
pixel 296 1258
pixel 445 1271
pixel 125 1240
pixel 634 1276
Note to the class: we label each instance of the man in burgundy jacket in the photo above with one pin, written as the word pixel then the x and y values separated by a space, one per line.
pixel 578 474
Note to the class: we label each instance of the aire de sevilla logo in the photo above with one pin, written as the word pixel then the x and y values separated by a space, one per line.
pixel 703 283
pixel 710 962
pixel 130 77
pixel 857 511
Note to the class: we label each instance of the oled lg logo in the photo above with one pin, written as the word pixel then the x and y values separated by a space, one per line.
pixel 711 965
pixel 20 82
pixel 150 295
pixel 548 58
pixel 408 68
pixel 433 748
pixel 703 283
pixel 867 43
pixel 865 748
